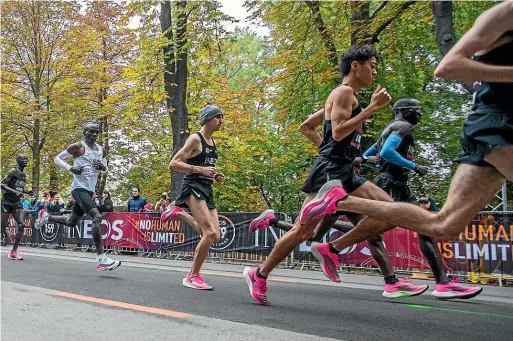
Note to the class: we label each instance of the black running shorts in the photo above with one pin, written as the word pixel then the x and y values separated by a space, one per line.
pixel 324 170
pixel 481 133
pixel 10 207
pixel 398 190
pixel 83 201
pixel 200 190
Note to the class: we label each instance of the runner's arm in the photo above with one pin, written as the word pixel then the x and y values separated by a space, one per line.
pixel 307 128
pixel 178 163
pixel 342 123
pixel 389 152
pixel 489 27
pixel 373 150
pixel 6 180
pixel 70 151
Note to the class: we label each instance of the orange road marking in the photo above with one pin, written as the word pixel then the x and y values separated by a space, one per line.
pixel 151 310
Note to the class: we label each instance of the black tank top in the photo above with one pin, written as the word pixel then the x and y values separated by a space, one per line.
pixel 207 158
pixel 495 97
pixel 17 182
pixel 405 149
pixel 345 150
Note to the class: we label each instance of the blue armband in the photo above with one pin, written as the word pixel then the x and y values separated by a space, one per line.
pixel 389 153
pixel 371 151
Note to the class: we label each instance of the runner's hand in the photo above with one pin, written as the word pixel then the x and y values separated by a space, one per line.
pixel 219 177
pixel 208 171
pixel 421 170
pixel 380 98
pixel 76 170
pixel 372 159
pixel 98 165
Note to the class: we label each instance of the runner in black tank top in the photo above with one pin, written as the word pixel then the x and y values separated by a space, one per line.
pixel 490 124
pixel 207 158
pixel 338 149
pixel 346 222
pixel 13 189
pixel 198 159
pixel 345 150
pixel 487 159
pixel 336 158
pixel 395 147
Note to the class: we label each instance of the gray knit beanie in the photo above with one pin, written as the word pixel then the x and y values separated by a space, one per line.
pixel 208 113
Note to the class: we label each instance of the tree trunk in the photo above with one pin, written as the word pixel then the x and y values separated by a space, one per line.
pixel 323 31
pixel 179 118
pixel 36 155
pixel 106 146
pixel 442 12
pixel 359 22
pixel 175 80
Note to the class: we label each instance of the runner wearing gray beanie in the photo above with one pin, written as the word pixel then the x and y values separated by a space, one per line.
pixel 208 113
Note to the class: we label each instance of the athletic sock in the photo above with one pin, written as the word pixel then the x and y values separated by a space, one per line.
pixel 259 274
pixel 392 279
pixel 100 257
pixel 332 249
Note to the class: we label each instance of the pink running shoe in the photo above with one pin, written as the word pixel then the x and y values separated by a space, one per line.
pixel 325 202
pixel 14 255
pixel 328 260
pixel 257 286
pixel 404 288
pixel 262 221
pixel 171 212
pixel 454 289
pixel 196 282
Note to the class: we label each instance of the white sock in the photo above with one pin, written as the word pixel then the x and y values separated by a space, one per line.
pixel 100 257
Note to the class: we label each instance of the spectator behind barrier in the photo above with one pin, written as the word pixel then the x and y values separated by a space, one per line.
pixel 148 207
pixel 428 203
pixel 56 205
pixel 71 202
pixel 45 201
pixel 37 205
pixel 106 204
pixel 26 204
pixel 136 203
pixel 163 203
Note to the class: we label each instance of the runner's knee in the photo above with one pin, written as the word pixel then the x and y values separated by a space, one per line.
pixel 97 220
pixel 212 234
pixel 303 232
pixel 442 227
pixel 375 241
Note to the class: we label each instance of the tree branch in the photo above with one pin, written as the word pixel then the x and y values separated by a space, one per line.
pixel 376 12
pixel 401 9
pixel 326 38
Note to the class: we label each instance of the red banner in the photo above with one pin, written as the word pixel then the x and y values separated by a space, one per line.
pixel 136 230
pixel 486 245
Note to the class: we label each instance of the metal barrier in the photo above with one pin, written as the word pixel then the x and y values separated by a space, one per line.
pixel 483 252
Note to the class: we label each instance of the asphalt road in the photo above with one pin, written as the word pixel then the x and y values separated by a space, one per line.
pixel 306 308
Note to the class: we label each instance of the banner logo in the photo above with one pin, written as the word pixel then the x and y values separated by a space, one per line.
pixel 227 234
pixel 49 231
